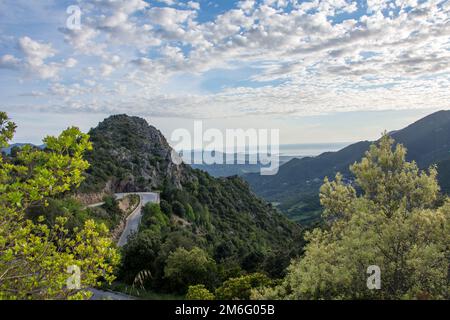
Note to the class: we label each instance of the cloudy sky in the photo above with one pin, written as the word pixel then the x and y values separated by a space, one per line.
pixel 320 71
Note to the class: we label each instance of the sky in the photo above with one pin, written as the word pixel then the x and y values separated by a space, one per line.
pixel 319 71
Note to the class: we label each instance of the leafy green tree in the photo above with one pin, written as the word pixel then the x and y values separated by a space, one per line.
pixel 166 207
pixel 67 207
pixel 392 223
pixel 253 260
pixel 178 209
pixel 185 268
pixel 240 288
pixel 34 257
pixel 140 253
pixel 199 292
pixel 190 215
pixel 153 218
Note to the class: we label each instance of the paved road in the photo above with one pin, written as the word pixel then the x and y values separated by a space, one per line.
pixel 134 219
pixel 132 225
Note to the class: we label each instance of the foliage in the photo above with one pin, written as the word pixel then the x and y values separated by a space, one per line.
pixel 393 223
pixel 140 253
pixel 237 225
pixel 68 207
pixel 110 214
pixel 220 216
pixel 240 288
pixel 34 258
pixel 185 268
pixel 199 292
pixel 166 207
pixel 153 218
pixel 178 209
pixel 7 129
pixel 111 206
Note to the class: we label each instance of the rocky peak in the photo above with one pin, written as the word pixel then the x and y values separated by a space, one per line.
pixel 129 156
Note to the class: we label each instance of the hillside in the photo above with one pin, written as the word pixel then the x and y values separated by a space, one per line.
pixel 295 188
pixel 130 156
pixel 220 215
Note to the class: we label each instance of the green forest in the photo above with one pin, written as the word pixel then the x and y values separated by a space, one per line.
pixel 211 238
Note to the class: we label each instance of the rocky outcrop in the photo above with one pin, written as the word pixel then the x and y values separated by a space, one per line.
pixel 129 155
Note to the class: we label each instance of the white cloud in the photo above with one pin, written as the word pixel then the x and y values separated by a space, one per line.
pixel 194 5
pixel 9 62
pixel 34 51
pixel 34 59
pixel 312 60
pixel 70 63
pixel 106 70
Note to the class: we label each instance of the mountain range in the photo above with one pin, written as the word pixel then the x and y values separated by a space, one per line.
pixel 226 170
pixel 221 215
pixel 295 189
pixel 17 146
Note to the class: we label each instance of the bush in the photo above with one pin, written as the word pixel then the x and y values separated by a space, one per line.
pixel 185 268
pixel 153 218
pixel 199 292
pixel 390 221
pixel 166 208
pixel 140 253
pixel 179 209
pixel 241 288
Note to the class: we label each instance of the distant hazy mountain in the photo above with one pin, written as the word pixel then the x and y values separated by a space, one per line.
pixel 287 152
pixel 295 188
pixel 227 170
pixel 8 149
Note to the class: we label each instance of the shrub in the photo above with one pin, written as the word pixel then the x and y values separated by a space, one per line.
pixel 199 292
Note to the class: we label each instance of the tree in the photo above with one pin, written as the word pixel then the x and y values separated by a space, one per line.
pixel 35 258
pixel 166 208
pixel 199 292
pixel 185 268
pixel 178 209
pixel 140 253
pixel 392 223
pixel 153 218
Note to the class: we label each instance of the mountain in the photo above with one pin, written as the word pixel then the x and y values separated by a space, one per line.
pixel 221 215
pixel 295 188
pixel 8 149
pixel 287 152
pixel 131 156
pixel 227 170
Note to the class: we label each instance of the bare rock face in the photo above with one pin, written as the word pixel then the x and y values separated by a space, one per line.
pixel 131 156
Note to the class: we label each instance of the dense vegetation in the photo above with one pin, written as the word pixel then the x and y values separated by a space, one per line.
pixel 216 219
pixel 35 257
pixel 296 187
pixel 211 238
pixel 109 214
pixel 397 222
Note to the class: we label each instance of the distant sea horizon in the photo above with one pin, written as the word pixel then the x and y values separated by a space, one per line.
pixel 310 149
pixel 285 150
pixel 302 149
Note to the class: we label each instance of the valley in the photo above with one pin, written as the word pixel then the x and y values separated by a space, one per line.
pixel 295 188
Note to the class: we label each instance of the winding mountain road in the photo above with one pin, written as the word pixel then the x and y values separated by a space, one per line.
pixel 132 225
pixel 134 219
